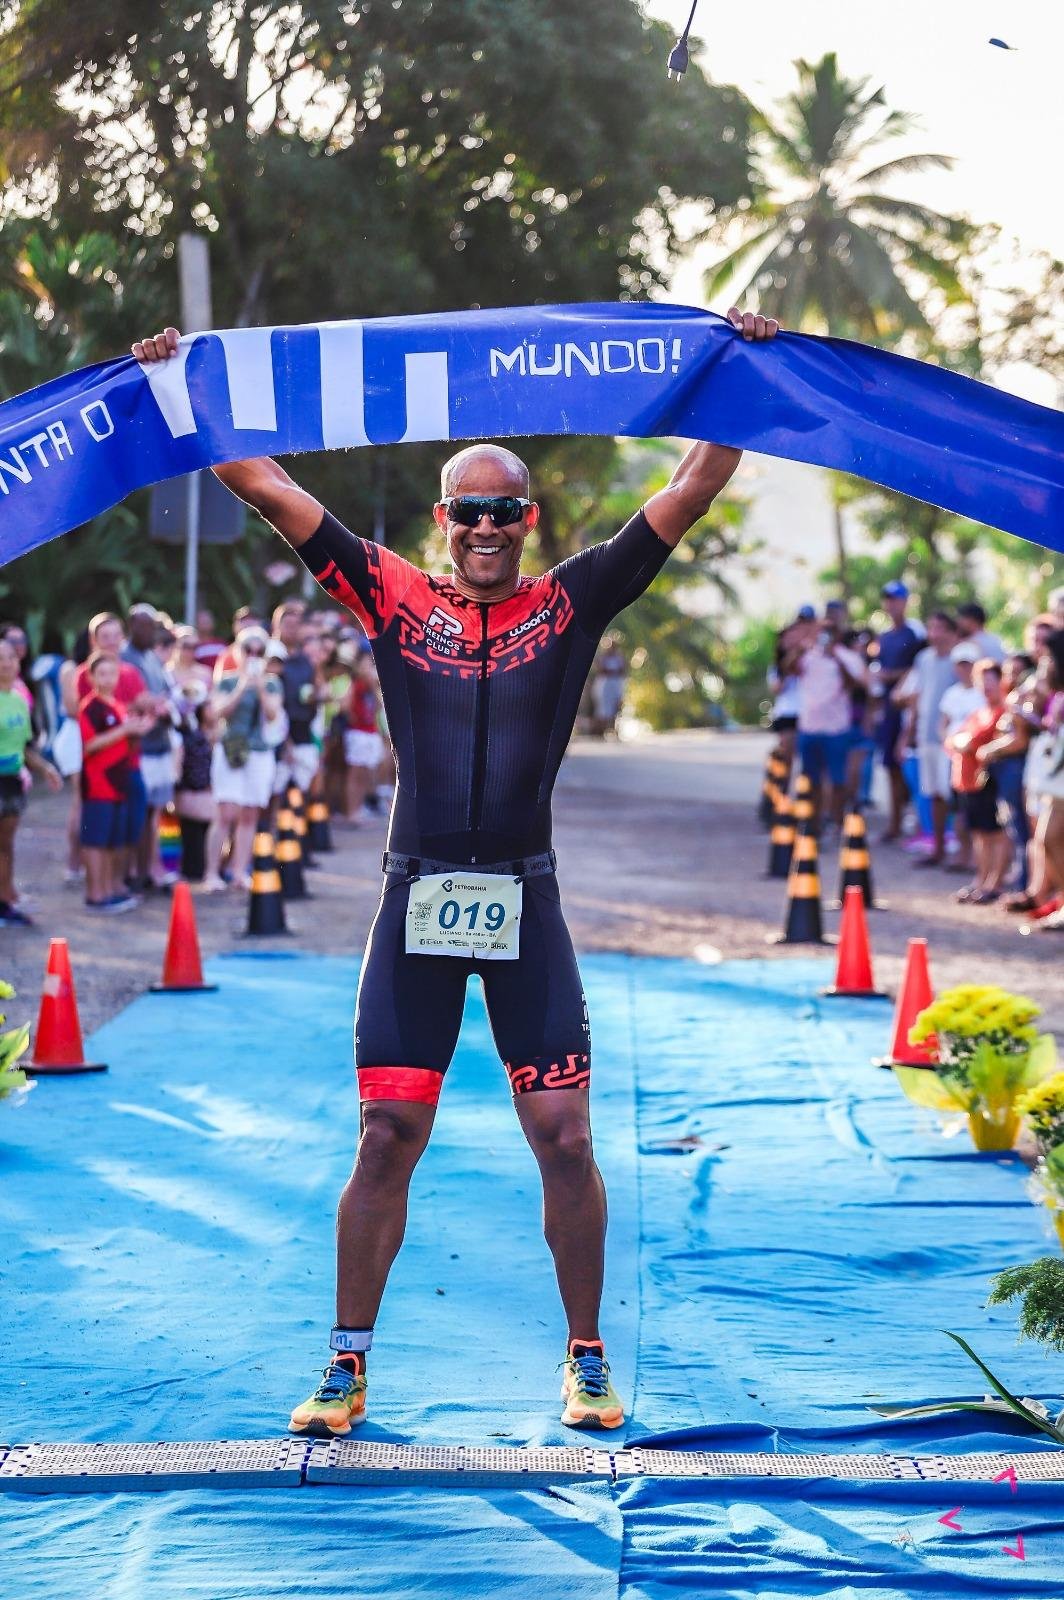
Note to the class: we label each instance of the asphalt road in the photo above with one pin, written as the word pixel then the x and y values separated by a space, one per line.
pixel 660 854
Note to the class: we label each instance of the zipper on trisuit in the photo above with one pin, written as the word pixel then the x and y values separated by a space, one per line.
pixel 480 743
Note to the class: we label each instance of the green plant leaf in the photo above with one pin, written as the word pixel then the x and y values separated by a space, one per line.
pixel 1010 1399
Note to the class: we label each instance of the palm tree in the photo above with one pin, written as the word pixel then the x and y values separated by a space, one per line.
pixel 823 245
pixel 823 241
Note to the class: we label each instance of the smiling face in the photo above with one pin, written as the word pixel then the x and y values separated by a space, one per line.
pixel 486 559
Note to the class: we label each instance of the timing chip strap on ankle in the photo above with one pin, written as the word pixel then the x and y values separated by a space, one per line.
pixel 351 1341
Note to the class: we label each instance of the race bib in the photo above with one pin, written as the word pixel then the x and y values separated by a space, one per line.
pixel 464 914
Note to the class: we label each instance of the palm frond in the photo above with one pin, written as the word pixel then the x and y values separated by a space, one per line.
pixel 903 164
pixel 722 272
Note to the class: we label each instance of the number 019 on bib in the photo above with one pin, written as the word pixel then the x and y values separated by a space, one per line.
pixel 463 914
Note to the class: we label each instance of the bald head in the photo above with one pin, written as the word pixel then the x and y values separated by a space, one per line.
pixel 485 462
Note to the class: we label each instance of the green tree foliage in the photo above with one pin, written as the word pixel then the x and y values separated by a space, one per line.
pixel 1039 1286
pixel 375 157
pixel 825 246
pixel 671 634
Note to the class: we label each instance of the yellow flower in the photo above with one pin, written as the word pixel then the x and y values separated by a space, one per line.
pixel 6 991
pixel 1045 1100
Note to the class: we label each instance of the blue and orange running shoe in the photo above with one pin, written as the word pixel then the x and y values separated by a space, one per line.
pixel 337 1405
pixel 590 1399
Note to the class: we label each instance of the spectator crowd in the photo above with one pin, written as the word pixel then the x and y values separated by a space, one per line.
pixel 148 718
pixel 969 736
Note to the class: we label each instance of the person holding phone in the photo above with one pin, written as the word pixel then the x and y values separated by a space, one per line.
pixel 248 702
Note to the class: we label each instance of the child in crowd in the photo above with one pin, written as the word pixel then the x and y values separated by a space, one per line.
pixel 106 772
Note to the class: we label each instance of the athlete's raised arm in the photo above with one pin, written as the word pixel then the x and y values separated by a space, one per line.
pixel 263 483
pixel 706 468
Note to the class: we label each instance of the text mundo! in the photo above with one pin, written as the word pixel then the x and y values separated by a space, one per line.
pixel 52 443
pixel 595 359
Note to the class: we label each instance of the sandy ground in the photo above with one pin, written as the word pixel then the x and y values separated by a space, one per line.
pixel 660 854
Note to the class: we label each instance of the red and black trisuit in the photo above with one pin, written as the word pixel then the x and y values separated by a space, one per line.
pixel 481 701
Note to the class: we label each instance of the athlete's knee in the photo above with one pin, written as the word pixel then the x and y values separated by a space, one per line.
pixel 391 1142
pixel 564 1143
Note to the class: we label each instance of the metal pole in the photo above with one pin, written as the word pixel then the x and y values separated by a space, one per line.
pixel 194 274
pixel 192 533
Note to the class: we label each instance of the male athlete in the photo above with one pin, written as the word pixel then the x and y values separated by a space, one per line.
pixel 481 674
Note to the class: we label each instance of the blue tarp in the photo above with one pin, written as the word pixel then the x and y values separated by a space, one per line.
pixel 167 1241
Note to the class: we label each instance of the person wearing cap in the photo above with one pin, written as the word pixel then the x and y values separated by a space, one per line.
pixel 896 650
pixel 248 703
pixel 156 751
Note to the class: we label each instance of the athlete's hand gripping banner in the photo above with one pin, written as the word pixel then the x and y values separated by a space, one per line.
pixel 80 444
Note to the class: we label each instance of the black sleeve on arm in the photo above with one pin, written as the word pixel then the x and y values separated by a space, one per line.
pixel 603 579
pixel 348 569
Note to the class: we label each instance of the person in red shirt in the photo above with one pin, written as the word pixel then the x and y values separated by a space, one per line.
pixel 106 634
pixel 107 737
pixel 974 782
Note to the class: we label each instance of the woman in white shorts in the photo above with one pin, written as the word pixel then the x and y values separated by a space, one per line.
pixel 363 745
pixel 249 702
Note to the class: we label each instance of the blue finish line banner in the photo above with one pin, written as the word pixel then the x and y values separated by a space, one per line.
pixel 81 443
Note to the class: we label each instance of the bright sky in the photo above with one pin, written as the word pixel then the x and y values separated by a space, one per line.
pixel 1000 114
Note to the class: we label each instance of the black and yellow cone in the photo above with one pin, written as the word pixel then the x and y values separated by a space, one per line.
pixel 781 839
pixel 802 806
pixel 319 833
pixel 290 856
pixel 855 863
pixel 772 787
pixel 803 923
pixel 299 811
pixel 266 902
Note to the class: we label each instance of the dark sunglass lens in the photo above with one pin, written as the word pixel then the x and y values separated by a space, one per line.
pixel 467 512
pixel 504 511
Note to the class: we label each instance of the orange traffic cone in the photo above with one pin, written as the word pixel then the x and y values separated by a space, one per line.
pixel 803 921
pixel 915 995
pixel 58 1046
pixel 853 968
pixel 182 968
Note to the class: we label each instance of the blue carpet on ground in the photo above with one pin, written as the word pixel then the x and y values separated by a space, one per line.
pixel 167 1240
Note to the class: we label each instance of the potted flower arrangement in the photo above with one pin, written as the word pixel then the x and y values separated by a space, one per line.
pixel 989 1054
pixel 14 1084
pixel 1042 1108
